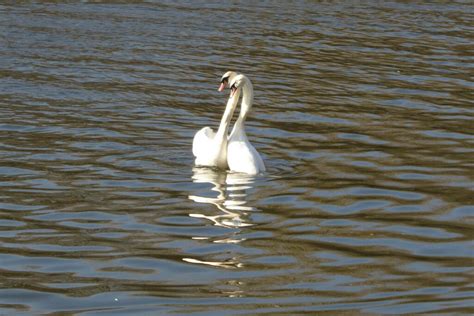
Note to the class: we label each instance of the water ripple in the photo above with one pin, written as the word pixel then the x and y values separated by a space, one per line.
pixel 363 115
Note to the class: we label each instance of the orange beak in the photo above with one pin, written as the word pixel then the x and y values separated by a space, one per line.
pixel 221 87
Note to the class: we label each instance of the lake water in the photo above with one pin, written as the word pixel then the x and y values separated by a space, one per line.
pixel 363 114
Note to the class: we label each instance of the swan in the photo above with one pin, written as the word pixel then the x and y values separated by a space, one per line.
pixel 241 155
pixel 210 148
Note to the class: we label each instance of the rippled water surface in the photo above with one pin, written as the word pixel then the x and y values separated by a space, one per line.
pixel 364 117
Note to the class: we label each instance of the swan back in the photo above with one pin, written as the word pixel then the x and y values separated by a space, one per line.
pixel 243 157
pixel 201 140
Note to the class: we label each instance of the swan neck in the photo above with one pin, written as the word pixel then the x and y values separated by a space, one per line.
pixel 247 100
pixel 227 117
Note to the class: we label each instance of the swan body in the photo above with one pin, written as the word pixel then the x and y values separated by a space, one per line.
pixel 209 147
pixel 241 155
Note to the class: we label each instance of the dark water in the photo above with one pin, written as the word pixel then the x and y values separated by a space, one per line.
pixel 363 114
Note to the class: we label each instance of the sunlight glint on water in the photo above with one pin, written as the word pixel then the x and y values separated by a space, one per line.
pixel 363 115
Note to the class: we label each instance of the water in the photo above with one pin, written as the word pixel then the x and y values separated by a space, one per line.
pixel 364 117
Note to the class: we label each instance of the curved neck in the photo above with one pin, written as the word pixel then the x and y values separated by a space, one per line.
pixel 246 105
pixel 227 116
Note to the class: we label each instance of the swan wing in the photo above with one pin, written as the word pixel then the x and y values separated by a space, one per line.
pixel 258 160
pixel 243 157
pixel 202 141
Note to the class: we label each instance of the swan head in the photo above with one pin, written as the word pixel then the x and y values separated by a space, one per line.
pixel 236 82
pixel 226 78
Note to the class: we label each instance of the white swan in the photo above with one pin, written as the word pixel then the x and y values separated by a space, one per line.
pixel 241 155
pixel 210 148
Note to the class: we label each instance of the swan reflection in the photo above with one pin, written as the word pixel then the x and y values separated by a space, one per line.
pixel 231 190
pixel 230 264
pixel 231 196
